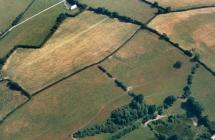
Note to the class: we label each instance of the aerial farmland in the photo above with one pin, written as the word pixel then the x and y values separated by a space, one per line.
pixel 107 70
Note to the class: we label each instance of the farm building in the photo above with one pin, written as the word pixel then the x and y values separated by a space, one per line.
pixel 69 6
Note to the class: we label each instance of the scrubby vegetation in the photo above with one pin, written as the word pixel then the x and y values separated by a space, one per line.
pixel 122 118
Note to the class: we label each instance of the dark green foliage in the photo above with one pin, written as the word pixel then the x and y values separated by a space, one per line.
pixel 188 53
pixel 203 120
pixel 177 64
pixel 72 2
pixel 120 84
pixel 192 107
pixel 168 101
pixel 104 11
pixel 205 136
pixel 14 86
pixel 186 92
pixel 125 116
pixel 164 37
pixel 196 58
pixel 211 127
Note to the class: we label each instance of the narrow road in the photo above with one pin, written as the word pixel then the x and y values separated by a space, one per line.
pixel 152 120
pixel 17 25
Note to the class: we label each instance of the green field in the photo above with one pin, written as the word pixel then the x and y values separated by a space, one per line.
pixel 63 108
pixel 182 127
pixel 203 90
pixel 9 99
pixel 135 9
pixel 145 64
pixel 34 31
pixel 6 18
pixel 142 133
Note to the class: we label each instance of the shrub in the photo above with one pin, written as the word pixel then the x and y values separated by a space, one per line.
pixel 168 101
pixel 177 64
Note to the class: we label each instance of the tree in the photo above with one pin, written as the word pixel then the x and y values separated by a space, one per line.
pixel 177 64
pixel 192 107
pixel 168 101
pixel 212 127
pixel 152 109
pixel 187 92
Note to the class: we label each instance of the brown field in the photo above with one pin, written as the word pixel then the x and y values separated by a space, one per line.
pixel 78 42
pixel 9 99
pixel 178 4
pixel 192 30
pixel 65 107
pixel 145 64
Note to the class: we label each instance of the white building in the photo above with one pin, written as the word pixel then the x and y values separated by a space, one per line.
pixel 69 6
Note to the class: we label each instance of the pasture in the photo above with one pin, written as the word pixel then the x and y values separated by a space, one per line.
pixel 62 109
pixel 192 30
pixel 34 31
pixel 139 134
pixel 145 64
pixel 68 50
pixel 184 4
pixel 135 9
pixel 6 18
pixel 203 90
pixel 9 99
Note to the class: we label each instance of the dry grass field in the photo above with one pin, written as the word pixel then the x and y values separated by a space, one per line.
pixel 135 9
pixel 77 43
pixel 192 30
pixel 9 99
pixel 62 109
pixel 180 4
pixel 145 64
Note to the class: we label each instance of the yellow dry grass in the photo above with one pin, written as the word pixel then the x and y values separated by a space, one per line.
pixel 79 42
pixel 166 23
pixel 177 4
pixel 192 29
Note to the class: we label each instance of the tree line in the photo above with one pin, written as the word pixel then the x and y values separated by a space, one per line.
pixel 122 117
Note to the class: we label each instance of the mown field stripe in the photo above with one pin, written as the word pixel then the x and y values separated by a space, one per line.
pixel 68 76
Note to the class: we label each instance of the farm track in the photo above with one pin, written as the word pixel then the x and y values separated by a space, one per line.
pixel 19 18
pixel 94 64
pixel 68 76
pixel 17 25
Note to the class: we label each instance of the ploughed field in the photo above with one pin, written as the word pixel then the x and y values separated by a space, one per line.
pixel 78 42
pixel 193 30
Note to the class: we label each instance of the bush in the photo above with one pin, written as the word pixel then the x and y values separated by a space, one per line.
pixel 177 64
pixel 168 101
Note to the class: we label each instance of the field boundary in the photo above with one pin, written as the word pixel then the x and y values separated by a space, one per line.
pixel 146 27
pixel 190 9
pixel 16 25
pixel 68 76
pixel 17 19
